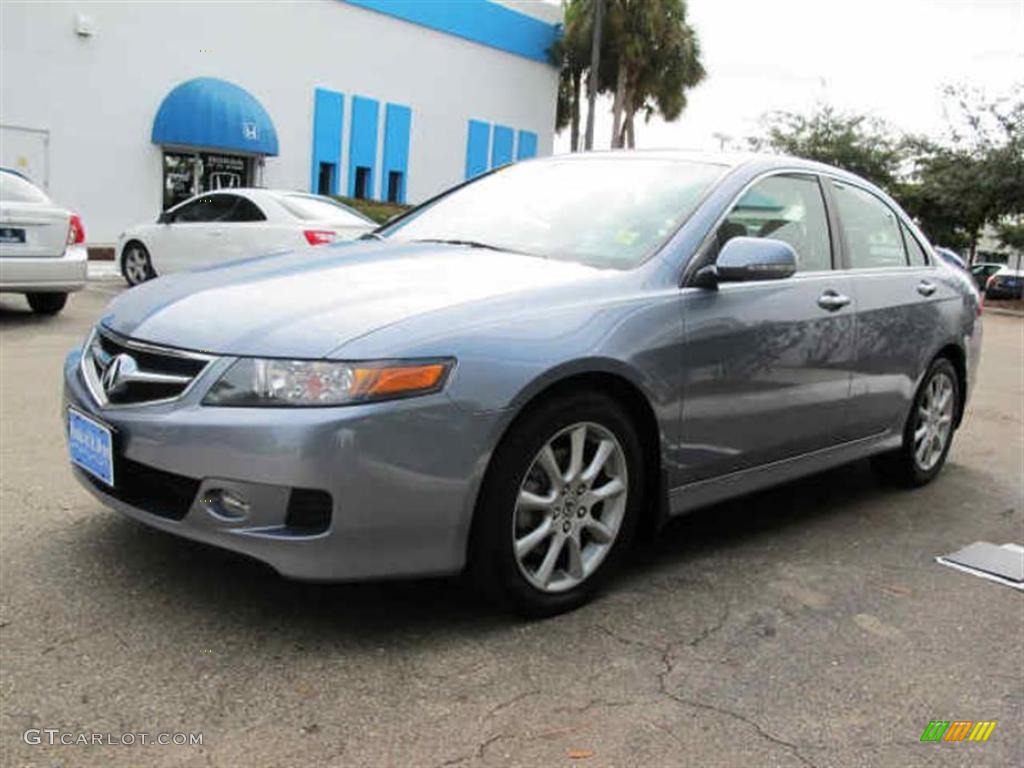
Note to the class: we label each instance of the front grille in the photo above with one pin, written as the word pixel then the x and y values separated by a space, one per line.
pixel 309 511
pixel 121 371
pixel 152 490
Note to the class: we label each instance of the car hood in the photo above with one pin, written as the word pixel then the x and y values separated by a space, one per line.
pixel 306 303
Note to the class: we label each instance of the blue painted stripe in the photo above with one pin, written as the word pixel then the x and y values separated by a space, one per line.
pixel 328 112
pixel 501 146
pixel 481 21
pixel 397 122
pixel 478 142
pixel 527 146
pixel 362 142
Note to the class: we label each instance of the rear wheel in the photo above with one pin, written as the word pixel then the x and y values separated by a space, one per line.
pixel 559 505
pixel 136 266
pixel 47 303
pixel 928 433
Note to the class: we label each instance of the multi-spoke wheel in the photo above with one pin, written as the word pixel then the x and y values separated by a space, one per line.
pixel 570 507
pixel 559 503
pixel 929 429
pixel 934 421
pixel 136 266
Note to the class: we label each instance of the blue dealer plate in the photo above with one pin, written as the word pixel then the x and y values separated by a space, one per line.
pixel 91 445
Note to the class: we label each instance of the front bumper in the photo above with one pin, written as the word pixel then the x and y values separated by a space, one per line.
pixel 402 476
pixel 62 274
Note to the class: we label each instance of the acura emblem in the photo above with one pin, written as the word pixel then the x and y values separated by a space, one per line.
pixel 119 373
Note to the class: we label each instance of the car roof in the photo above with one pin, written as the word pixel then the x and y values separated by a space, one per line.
pixel 728 159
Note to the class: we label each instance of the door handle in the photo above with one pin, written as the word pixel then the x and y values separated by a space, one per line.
pixel 832 301
pixel 926 288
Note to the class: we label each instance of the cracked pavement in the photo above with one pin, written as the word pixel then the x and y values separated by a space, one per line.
pixel 803 626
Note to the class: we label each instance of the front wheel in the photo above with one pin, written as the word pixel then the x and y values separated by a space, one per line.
pixel 559 504
pixel 928 433
pixel 47 303
pixel 136 266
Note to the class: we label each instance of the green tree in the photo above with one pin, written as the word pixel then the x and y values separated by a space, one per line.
pixel 655 55
pixel 856 143
pixel 649 57
pixel 954 186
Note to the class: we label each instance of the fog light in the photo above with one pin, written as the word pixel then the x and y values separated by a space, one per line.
pixel 225 503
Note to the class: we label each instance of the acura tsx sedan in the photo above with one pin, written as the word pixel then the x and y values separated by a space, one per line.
pixel 516 377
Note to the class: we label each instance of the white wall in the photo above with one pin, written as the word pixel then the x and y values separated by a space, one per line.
pixel 97 96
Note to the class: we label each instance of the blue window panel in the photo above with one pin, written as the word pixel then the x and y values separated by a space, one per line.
pixel 362 143
pixel 397 122
pixel 527 146
pixel 478 144
pixel 328 111
pixel 481 21
pixel 501 147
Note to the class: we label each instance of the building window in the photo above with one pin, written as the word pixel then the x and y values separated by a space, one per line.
pixel 187 174
pixel 362 186
pixel 325 182
pixel 395 186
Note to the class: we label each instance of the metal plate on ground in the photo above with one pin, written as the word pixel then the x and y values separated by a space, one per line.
pixel 1003 564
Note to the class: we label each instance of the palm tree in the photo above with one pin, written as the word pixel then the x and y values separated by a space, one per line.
pixel 649 56
pixel 657 58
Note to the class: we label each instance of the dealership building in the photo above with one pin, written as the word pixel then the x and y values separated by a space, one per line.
pixel 120 110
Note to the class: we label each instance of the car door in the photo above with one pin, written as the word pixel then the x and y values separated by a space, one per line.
pixel 241 232
pixel 898 295
pixel 193 237
pixel 767 363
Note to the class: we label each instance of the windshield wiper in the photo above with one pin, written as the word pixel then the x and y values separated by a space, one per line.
pixel 468 243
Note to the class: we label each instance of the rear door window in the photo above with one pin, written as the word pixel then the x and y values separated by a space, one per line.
pixel 245 210
pixel 871 228
pixel 787 208
pixel 206 209
pixel 916 254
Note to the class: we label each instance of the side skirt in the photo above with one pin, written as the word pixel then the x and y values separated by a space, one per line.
pixel 712 490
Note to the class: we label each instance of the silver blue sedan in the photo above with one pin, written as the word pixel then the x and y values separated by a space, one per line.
pixel 522 373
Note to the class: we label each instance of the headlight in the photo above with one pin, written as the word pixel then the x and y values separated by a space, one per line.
pixel 256 382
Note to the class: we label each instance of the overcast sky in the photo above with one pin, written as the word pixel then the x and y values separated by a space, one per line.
pixel 888 58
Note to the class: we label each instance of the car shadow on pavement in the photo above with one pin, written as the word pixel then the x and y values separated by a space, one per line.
pixel 133 562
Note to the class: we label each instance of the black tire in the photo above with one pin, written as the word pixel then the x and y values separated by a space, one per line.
pixel 493 567
pixel 47 303
pixel 131 276
pixel 901 466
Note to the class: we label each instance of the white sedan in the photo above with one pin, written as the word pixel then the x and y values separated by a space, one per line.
pixel 233 224
pixel 42 246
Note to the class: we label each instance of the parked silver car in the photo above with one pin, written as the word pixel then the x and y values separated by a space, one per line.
pixel 517 375
pixel 42 246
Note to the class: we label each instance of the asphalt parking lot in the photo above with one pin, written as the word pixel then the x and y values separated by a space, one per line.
pixel 805 626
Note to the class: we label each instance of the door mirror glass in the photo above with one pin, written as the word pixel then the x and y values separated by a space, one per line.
pixel 755 258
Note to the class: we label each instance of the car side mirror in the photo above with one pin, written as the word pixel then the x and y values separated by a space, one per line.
pixel 165 218
pixel 749 258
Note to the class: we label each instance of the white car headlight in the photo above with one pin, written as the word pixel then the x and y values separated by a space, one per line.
pixel 259 382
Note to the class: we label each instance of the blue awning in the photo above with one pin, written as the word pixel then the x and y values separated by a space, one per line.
pixel 214 114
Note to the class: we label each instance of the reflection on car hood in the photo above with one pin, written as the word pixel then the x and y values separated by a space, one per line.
pixel 307 303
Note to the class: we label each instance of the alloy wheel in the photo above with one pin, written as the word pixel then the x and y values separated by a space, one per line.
pixel 570 507
pixel 934 421
pixel 136 265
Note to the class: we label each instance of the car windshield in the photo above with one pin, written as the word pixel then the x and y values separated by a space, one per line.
pixel 313 208
pixel 607 212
